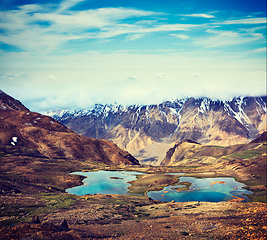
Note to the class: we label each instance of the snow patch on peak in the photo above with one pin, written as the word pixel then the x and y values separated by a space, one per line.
pixel 107 109
pixel 237 113
pixel 204 106
pixel 173 111
pixel 261 105
pixel 59 113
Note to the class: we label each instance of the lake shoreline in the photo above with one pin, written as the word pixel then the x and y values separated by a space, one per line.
pixel 163 187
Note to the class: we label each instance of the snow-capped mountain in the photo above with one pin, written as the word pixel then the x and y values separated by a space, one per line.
pixel 147 131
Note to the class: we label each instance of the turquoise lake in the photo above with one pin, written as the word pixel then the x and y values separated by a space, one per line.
pixel 104 182
pixel 201 189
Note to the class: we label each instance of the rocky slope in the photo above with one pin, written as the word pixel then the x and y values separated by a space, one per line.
pixel 149 131
pixel 190 153
pixel 23 132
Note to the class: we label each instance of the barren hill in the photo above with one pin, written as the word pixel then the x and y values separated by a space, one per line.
pixel 23 132
pixel 189 153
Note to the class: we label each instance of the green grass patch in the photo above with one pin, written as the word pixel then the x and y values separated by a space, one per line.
pixel 120 200
pixel 16 210
pixel 53 202
pixel 247 154
pixel 259 199
pixel 9 222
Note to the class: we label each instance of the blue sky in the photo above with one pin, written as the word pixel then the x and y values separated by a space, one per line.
pixel 72 54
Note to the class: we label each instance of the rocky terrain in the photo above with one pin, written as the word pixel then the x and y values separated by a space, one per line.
pixel 31 134
pixel 114 217
pixel 189 153
pixel 149 131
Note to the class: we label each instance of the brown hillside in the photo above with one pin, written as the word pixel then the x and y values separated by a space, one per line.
pixel 189 152
pixel 28 133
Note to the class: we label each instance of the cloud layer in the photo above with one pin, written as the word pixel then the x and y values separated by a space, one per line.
pixel 43 28
pixel 68 55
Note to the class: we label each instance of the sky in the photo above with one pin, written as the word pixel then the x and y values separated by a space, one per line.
pixel 72 54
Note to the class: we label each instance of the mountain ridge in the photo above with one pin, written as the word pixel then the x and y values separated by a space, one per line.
pixel 190 153
pixel 138 127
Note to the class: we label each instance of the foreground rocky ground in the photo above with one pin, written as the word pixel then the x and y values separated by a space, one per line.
pixel 130 217
pixel 33 186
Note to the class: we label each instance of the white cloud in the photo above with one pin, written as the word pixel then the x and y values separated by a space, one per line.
pixel 94 18
pixel 258 50
pixel 226 38
pixel 132 37
pixel 245 21
pixel 64 5
pixel 181 36
pixel 199 15
pixel 23 31
pixel 22 27
pixel 61 24
pixel 31 8
pixel 177 74
pixel 139 31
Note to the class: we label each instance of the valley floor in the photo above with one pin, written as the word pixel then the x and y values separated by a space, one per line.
pixel 35 187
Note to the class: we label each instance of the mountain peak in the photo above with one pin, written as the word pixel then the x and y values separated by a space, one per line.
pixel 8 102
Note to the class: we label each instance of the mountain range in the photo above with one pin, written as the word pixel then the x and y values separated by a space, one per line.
pixel 26 133
pixel 149 131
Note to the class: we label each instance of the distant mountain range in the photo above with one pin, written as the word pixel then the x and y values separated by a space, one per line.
pixel 26 133
pixel 149 131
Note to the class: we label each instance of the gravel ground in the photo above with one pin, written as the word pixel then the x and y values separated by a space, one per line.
pixel 129 217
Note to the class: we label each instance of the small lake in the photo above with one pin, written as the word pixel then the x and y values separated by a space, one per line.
pixel 188 189
pixel 104 182
pixel 202 189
